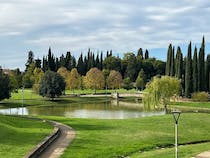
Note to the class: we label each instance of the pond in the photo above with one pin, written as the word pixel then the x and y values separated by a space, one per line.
pixel 101 110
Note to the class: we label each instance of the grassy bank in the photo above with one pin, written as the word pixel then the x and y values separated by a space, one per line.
pixel 18 136
pixel 118 138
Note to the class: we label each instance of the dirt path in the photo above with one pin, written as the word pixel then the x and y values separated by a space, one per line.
pixel 56 149
pixel 205 154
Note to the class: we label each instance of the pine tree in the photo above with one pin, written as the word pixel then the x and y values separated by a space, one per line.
pixel 101 61
pixel 188 72
pixel 97 62
pixel 195 71
pixel 80 65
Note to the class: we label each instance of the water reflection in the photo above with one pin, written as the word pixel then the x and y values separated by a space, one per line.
pixel 101 110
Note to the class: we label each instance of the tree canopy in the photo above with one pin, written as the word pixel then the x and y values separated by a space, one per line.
pixel 159 91
pixel 5 88
pixel 52 85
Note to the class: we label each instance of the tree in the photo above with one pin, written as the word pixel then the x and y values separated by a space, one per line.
pixel 30 59
pixel 159 91
pixel 179 64
pixel 168 62
pixel 130 61
pixel 195 71
pixel 146 56
pixel 94 79
pixel 52 85
pixel 112 63
pixel 208 72
pixel 201 67
pixel 141 80
pixel 74 80
pixel 140 53
pixel 81 65
pixel 188 72
pixel 15 77
pixel 5 88
pixel 38 74
pixel 114 79
pixel 28 77
pixel 127 84
pixel 64 73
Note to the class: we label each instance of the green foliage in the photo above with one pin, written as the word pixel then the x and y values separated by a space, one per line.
pixel 52 85
pixel 188 73
pixel 141 80
pixel 5 88
pixel 129 60
pixel 127 84
pixel 200 96
pixel 195 71
pixel 28 78
pixel 179 63
pixel 159 91
pixel 112 63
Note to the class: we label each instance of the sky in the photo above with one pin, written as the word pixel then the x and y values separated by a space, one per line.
pixel 120 25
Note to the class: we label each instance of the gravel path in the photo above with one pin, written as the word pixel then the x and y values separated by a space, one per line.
pixel 56 149
pixel 205 154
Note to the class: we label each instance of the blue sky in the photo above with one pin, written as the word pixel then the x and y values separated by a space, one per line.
pixel 122 25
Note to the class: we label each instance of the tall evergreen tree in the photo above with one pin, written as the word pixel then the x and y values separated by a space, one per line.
pixel 179 63
pixel 51 61
pixel 101 61
pixel 208 73
pixel 30 59
pixel 172 67
pixel 146 56
pixel 195 70
pixel 201 67
pixel 168 62
pixel 140 53
pixel 188 72
pixel 80 65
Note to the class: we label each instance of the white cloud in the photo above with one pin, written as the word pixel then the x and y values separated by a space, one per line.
pixel 119 25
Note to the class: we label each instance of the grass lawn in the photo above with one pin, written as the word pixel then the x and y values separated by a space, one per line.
pixel 192 104
pixel 118 138
pixel 18 136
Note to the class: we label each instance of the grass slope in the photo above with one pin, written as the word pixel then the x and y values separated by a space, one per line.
pixel 119 138
pixel 18 136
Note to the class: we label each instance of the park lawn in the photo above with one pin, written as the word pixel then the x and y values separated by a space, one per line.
pixel 186 151
pixel 18 136
pixel 192 104
pixel 118 138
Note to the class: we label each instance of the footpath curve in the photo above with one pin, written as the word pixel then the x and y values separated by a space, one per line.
pixel 56 149
pixel 205 154
pixel 54 145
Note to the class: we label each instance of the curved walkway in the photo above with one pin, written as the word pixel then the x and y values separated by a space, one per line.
pixel 205 154
pixel 56 149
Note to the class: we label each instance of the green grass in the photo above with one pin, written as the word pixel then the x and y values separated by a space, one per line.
pixel 18 136
pixel 117 138
pixel 192 104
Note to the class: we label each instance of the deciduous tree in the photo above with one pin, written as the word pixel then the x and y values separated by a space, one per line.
pixel 114 79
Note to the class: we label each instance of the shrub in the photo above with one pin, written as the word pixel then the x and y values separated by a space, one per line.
pixel 200 96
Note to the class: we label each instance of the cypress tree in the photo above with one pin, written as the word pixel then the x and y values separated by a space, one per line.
pixel 201 68
pixel 140 53
pixel 101 61
pixel 146 56
pixel 97 62
pixel 172 66
pixel 179 63
pixel 188 72
pixel 208 73
pixel 168 62
pixel 80 65
pixel 195 71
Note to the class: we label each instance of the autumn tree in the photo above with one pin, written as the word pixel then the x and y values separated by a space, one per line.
pixel 74 80
pixel 38 74
pixel 94 79
pixel 64 73
pixel 114 80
